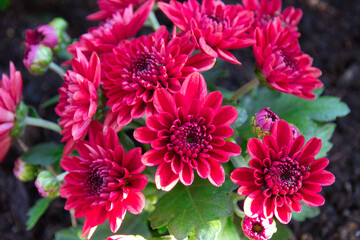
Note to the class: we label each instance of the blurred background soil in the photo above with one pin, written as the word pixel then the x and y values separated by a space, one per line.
pixel 330 34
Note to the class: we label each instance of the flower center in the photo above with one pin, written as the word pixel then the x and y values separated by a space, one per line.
pixel 149 71
pixel 289 60
pixel 257 227
pixel 38 37
pixel 218 23
pixel 190 138
pixel 284 176
pixel 96 181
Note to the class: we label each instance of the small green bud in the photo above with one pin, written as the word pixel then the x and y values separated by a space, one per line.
pixel 23 171
pixel 37 59
pixel 47 184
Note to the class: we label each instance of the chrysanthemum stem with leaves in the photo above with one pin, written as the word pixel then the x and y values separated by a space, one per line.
pixel 38 122
pixel 57 69
pixel 244 89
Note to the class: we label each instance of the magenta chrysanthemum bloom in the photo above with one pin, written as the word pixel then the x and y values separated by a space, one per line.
pixel 134 70
pixel 284 66
pixel 282 173
pixel 188 134
pixel 263 121
pixel 119 27
pixel 215 26
pixel 104 182
pixel 267 10
pixel 10 97
pixel 258 228
pixel 78 99
pixel 45 35
pixel 109 7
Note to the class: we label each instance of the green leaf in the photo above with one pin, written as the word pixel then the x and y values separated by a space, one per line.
pixel 228 230
pixel 242 116
pixel 239 161
pixel 283 232
pixel 324 133
pixel 209 231
pixel 305 114
pixel 32 112
pixel 169 237
pixel 306 212
pixel 4 4
pixel 71 233
pixel 43 154
pixel 126 141
pixel 52 101
pixel 187 207
pixel 36 212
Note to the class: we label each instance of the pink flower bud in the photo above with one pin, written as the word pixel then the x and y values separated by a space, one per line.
pixel 45 35
pixel 263 122
pixel 258 228
pixel 47 184
pixel 60 25
pixel 37 59
pixel 295 131
pixel 23 171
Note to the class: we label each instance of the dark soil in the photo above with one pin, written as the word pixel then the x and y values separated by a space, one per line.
pixel 330 34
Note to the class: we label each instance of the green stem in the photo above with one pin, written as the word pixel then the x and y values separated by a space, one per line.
pixel 57 69
pixel 66 37
pixel 244 89
pixel 150 178
pixel 153 21
pixel 38 122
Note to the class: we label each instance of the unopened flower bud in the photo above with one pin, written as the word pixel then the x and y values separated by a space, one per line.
pixel 37 59
pixel 47 184
pixel 295 131
pixel 258 228
pixel 263 121
pixel 23 171
pixel 59 24
pixel 42 35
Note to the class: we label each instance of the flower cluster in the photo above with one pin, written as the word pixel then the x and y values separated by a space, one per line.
pixel 117 79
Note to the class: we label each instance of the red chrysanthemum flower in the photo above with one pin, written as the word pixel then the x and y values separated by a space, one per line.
pixel 121 26
pixel 188 134
pixel 45 35
pixel 78 99
pixel 284 66
pixel 10 97
pixel 109 7
pixel 134 70
pixel 267 10
pixel 282 173
pixel 258 228
pixel 104 182
pixel 215 26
